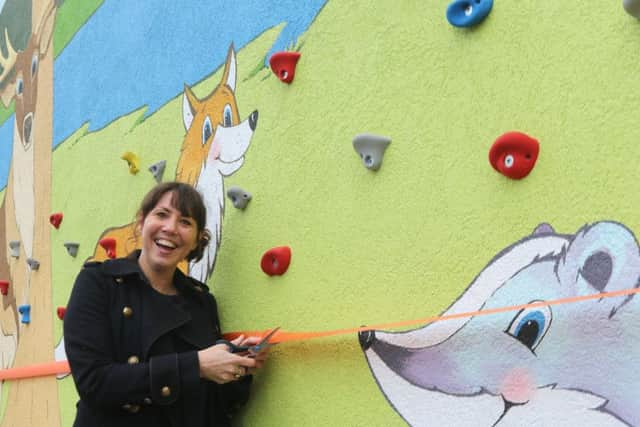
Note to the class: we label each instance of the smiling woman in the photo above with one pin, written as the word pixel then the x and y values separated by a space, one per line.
pixel 140 335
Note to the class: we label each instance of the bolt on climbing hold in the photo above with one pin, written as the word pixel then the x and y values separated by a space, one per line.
pixel 33 264
pixel 371 149
pixel 132 160
pixel 157 170
pixel 514 154
pixel 276 260
pixel 283 65
pixel 632 7
pixel 61 311
pixel 238 197
pixel 25 311
pixel 14 247
pixel 109 245
pixel 467 13
pixel 55 219
pixel 4 287
pixel 72 248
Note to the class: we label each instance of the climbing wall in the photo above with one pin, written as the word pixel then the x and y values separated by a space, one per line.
pixel 434 202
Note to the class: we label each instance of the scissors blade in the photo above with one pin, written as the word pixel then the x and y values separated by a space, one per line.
pixel 264 342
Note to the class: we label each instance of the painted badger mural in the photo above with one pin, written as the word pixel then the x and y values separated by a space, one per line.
pixel 566 364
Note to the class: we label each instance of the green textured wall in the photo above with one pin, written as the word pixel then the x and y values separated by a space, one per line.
pixel 404 242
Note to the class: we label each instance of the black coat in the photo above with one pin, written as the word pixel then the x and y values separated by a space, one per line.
pixel 133 351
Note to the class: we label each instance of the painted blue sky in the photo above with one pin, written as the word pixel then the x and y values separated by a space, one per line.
pixel 124 57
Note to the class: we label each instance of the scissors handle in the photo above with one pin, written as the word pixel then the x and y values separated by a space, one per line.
pixel 232 347
pixel 254 349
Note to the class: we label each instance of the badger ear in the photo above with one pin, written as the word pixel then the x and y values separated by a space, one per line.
pixel 603 257
pixel 543 228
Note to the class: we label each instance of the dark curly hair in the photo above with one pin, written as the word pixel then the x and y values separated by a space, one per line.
pixel 189 202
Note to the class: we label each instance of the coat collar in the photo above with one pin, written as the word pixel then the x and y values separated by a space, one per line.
pixel 121 267
pixel 161 315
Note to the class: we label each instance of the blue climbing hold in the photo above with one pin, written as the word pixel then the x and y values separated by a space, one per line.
pixel 467 13
pixel 25 311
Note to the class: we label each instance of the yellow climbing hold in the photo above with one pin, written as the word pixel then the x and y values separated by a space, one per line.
pixel 132 160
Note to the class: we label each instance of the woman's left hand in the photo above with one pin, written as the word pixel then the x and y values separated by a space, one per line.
pixel 260 357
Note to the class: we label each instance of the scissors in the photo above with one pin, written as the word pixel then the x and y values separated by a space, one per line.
pixel 254 349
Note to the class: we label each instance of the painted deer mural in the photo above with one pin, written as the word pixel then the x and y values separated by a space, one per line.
pixel 213 148
pixel 27 79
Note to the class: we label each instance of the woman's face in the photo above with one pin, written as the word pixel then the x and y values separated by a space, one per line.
pixel 167 236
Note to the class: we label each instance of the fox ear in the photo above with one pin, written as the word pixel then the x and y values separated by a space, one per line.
pixel 229 75
pixel 189 102
pixel 603 257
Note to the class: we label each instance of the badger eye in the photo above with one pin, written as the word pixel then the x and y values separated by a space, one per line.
pixel 19 86
pixel 207 130
pixel 34 65
pixel 530 325
pixel 227 116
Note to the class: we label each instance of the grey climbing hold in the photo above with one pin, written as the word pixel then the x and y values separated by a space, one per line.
pixel 33 264
pixel 632 7
pixel 157 169
pixel 238 197
pixel 72 248
pixel 14 245
pixel 371 149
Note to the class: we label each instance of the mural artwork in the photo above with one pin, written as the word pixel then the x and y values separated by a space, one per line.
pixel 213 148
pixel 566 364
pixel 27 79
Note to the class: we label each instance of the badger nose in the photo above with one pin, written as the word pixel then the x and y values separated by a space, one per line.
pixel 253 120
pixel 366 338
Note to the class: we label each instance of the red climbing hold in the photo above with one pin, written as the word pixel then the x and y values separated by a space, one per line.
pixel 109 245
pixel 61 312
pixel 283 65
pixel 276 261
pixel 514 154
pixel 4 287
pixel 55 219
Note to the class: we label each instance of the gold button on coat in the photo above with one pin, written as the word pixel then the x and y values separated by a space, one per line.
pixel 132 360
pixel 166 391
pixel 119 280
pixel 131 408
pixel 127 311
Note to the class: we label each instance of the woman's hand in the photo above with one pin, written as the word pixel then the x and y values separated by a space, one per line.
pixel 260 357
pixel 218 364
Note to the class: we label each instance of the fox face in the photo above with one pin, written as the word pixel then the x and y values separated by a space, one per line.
pixel 211 125
pixel 537 366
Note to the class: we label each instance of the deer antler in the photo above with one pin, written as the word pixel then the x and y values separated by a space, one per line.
pixel 7 62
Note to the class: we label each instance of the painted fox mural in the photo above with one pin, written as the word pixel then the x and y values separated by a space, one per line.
pixel 213 148
pixel 566 364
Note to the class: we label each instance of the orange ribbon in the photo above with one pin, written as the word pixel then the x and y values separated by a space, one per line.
pixel 284 336
pixel 62 367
